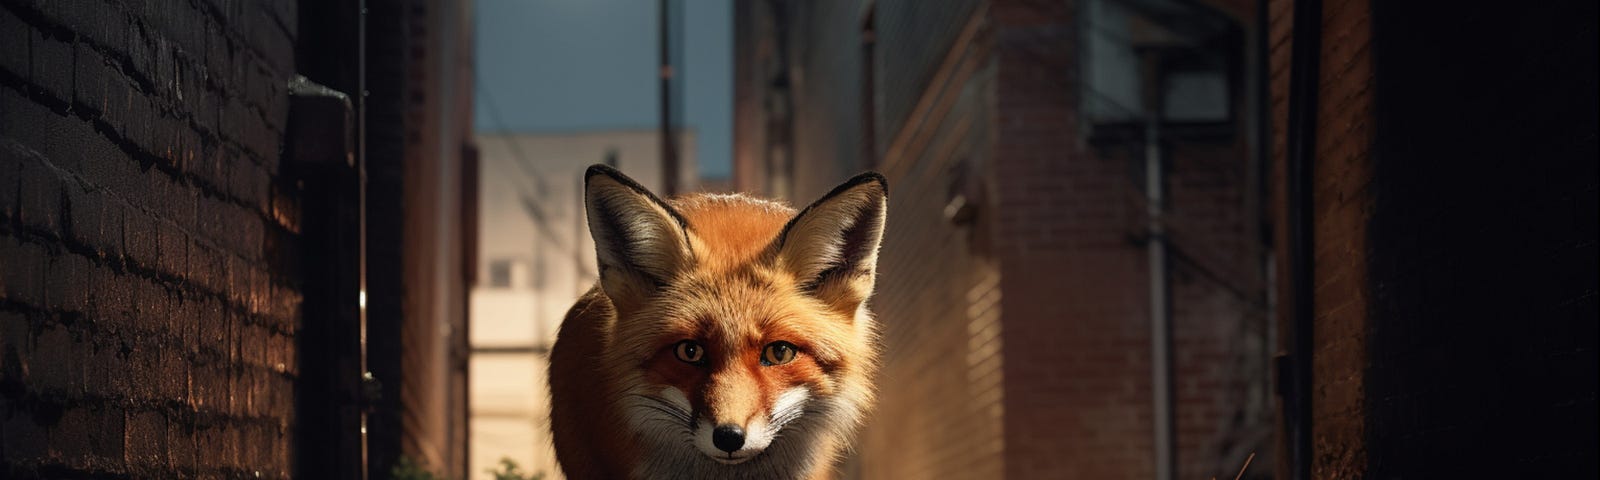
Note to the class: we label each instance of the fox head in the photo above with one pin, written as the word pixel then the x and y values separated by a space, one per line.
pixel 741 345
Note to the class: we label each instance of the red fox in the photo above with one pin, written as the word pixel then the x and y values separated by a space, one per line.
pixel 728 337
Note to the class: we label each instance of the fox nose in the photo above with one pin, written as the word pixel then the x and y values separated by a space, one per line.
pixel 728 438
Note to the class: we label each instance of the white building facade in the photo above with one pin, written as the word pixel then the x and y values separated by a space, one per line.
pixel 535 258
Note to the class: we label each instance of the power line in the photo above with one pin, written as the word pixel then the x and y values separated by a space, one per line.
pixel 529 201
pixel 517 154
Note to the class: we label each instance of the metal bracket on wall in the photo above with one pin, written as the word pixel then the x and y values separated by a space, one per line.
pixel 331 395
pixel 321 124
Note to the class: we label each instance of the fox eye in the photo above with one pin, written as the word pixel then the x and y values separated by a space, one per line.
pixel 689 351
pixel 778 353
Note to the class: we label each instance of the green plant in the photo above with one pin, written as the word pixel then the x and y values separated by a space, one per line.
pixel 510 471
pixel 408 469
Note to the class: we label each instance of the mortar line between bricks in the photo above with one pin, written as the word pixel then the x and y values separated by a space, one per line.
pixel 172 408
pixel 72 108
pixel 199 354
pixel 63 108
pixel 163 280
pixel 123 263
pixel 54 469
pixel 39 21
pixel 216 16
pixel 175 406
pixel 221 90
pixel 205 188
pixel 211 84
pixel 145 85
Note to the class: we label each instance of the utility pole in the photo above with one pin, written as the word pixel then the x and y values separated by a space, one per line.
pixel 669 147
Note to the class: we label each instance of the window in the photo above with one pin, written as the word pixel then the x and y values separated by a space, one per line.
pixel 1165 58
pixel 500 273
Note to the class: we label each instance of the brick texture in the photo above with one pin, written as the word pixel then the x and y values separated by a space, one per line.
pixel 913 37
pixel 1076 319
pixel 940 404
pixel 1013 290
pixel 146 324
pixel 1076 281
pixel 1341 198
pixel 1342 205
pixel 943 379
pixel 1450 281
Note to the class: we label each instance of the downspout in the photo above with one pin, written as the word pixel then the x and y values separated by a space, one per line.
pixel 1304 60
pixel 1160 306
pixel 1161 389
pixel 368 384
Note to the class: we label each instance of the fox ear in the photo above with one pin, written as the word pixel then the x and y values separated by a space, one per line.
pixel 639 241
pixel 832 245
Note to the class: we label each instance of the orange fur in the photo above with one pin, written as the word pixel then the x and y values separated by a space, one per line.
pixel 734 276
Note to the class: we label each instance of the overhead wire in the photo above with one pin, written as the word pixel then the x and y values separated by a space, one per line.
pixel 528 196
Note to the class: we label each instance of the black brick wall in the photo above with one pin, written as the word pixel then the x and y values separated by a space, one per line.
pixel 147 304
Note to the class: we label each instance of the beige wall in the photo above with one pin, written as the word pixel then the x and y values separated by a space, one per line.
pixel 552 262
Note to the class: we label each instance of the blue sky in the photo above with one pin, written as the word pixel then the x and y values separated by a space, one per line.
pixel 576 65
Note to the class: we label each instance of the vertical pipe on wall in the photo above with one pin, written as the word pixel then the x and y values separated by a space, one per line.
pixel 1305 57
pixel 1261 166
pixel 1160 313
pixel 361 208
pixel 1156 248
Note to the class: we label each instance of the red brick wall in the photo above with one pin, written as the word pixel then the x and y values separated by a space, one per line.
pixel 1280 23
pixel 1453 198
pixel 1075 305
pixel 1341 205
pixel 1017 332
pixel 940 392
pixel 1219 308
pixel 1076 282
pixel 146 316
pixel 1076 287
pixel 939 290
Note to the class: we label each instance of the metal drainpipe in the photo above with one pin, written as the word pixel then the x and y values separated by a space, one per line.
pixel 1305 57
pixel 361 173
pixel 1156 248
pixel 1160 311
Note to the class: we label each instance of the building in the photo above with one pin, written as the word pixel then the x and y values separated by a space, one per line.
pixel 1041 319
pixel 235 238
pixel 1360 237
pixel 535 259
pixel 1436 194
